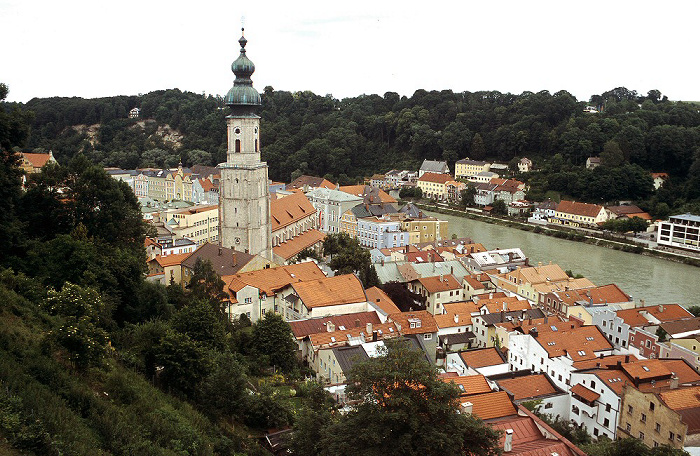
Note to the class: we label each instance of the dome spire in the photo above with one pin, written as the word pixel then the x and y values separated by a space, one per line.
pixel 242 93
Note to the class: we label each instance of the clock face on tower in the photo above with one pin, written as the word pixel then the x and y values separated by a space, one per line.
pixel 237 240
pixel 237 131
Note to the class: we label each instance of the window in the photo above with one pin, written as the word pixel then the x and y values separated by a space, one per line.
pixel 658 427
pixel 641 436
pixel 248 300
pixel 644 418
pixel 427 336
pixel 548 405
pixel 574 410
pixel 238 145
pixel 607 407
pixel 630 409
pixel 606 422
pixel 671 435
pixel 628 427
pixel 656 443
pixel 595 432
pixel 651 406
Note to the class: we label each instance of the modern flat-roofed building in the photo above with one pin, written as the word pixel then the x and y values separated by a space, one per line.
pixel 682 231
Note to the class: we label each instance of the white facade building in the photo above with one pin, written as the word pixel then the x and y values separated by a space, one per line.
pixel 682 231
pixel 331 205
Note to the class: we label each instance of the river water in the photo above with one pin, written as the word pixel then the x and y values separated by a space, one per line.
pixel 655 280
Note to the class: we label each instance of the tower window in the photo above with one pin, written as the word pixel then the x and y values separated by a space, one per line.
pixel 238 146
pixel 256 145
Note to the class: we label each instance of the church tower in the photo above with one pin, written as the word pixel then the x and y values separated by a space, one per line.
pixel 244 200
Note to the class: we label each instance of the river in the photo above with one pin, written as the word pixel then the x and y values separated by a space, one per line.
pixel 655 280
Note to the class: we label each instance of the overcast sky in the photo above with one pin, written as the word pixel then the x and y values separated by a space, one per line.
pixel 98 48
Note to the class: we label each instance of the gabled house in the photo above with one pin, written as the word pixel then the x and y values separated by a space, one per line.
pixel 575 214
pixel 437 291
pixel 326 296
pixel 432 166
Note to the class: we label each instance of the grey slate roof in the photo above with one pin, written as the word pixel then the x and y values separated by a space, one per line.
pixel 349 356
pixel 433 166
pixel 222 259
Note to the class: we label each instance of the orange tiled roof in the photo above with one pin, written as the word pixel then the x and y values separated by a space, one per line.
pixel 613 378
pixel 684 372
pixel 579 343
pixel 537 274
pixel 576 208
pixel 436 178
pixel 528 386
pixel 511 303
pixel 290 209
pixel 461 307
pixel 330 291
pixel 487 406
pixel 475 284
pixel 304 328
pixel 646 369
pixel 664 312
pixel 581 391
pixel 437 284
pixel 606 294
pixel 298 243
pixel 270 280
pixel 533 437
pixel 37 160
pixel 603 362
pixel 681 398
pixel 481 357
pixel 381 300
pixel 171 260
pixel 451 320
pixel 422 320
pixel 469 384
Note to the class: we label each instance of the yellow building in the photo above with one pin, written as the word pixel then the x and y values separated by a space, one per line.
pixel 199 224
pixel 425 229
pixel 434 185
pixel 467 167
pixel 576 214
pixel 348 223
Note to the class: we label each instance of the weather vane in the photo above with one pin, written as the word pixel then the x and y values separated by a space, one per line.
pixel 242 23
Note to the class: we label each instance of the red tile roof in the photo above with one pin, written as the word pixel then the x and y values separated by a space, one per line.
pixel 533 437
pixel 583 392
pixel 330 291
pixel 663 312
pixel 303 328
pixel 290 209
pixel 469 384
pixel 481 357
pixel 438 284
pixel 528 386
pixel 37 160
pixel 271 280
pixel 436 178
pixel 579 343
pixel 487 406
pixel 381 300
pixel 576 208
pixel 298 243
pixel 422 320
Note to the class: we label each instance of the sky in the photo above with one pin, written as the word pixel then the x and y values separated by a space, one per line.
pixel 105 48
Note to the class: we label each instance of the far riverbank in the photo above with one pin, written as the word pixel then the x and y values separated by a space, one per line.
pixel 653 279
pixel 588 236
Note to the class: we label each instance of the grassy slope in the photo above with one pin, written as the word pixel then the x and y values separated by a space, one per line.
pixel 47 407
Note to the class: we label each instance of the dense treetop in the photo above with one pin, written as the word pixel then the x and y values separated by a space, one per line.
pixel 346 139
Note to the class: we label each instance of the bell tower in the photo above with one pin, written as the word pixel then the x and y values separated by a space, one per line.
pixel 244 200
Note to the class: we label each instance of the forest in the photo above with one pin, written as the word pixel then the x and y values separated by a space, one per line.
pixel 346 140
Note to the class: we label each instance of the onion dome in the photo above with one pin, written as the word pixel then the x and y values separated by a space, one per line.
pixel 242 92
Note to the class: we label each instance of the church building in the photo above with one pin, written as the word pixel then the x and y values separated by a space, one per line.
pixel 244 201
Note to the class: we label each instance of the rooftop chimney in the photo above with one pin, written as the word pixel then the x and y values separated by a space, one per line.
pixel 674 381
pixel 375 335
pixel 368 328
pixel 661 308
pixel 466 408
pixel 235 260
pixel 220 250
pixel 456 318
pixel 508 444
pixel 357 323
pixel 330 326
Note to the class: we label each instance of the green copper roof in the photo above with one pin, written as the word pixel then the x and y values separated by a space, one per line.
pixel 242 92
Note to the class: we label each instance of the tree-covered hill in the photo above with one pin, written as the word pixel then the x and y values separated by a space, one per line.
pixel 354 137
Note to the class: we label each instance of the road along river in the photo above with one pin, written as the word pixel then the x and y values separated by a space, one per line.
pixel 655 280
